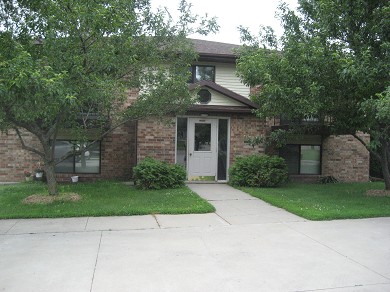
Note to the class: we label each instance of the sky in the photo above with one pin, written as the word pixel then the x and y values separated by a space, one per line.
pixel 231 14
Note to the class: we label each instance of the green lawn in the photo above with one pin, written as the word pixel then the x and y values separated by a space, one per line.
pixel 100 199
pixel 326 202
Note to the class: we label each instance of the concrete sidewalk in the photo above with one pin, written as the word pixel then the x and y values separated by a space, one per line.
pixel 246 245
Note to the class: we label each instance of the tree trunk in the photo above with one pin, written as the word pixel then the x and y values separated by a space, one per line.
pixel 51 179
pixel 385 163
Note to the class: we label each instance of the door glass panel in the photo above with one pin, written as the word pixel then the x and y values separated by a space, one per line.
pixel 181 142
pixel 310 159
pixel 222 148
pixel 202 137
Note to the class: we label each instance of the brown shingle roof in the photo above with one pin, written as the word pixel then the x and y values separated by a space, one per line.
pixel 209 48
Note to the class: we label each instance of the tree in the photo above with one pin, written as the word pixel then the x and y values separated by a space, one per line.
pixel 67 64
pixel 332 62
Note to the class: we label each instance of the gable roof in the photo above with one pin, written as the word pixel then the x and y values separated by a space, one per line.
pixel 215 51
pixel 247 105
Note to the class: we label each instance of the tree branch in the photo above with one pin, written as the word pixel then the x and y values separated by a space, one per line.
pixel 53 131
pixel 387 145
pixel 54 128
pixel 366 146
pixel 24 146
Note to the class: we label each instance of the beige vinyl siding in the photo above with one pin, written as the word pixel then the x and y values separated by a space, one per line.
pixel 220 99
pixel 225 75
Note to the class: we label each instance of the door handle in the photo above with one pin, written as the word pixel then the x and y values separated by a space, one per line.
pixel 190 154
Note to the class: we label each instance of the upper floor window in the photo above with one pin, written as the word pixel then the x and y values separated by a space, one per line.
pixel 202 73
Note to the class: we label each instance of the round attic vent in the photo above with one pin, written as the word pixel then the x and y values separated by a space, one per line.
pixel 204 96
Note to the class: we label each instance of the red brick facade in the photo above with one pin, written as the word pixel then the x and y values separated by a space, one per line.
pixel 242 126
pixel 156 139
pixel 342 156
pixel 13 159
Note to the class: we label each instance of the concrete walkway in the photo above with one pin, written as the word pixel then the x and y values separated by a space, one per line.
pixel 246 245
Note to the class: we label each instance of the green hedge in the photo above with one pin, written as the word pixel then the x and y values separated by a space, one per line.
pixel 155 175
pixel 258 171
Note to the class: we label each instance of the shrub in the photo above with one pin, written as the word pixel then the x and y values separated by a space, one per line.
pixel 154 174
pixel 375 167
pixel 327 180
pixel 258 171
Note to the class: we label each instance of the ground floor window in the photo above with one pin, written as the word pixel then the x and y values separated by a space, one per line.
pixel 88 162
pixel 302 159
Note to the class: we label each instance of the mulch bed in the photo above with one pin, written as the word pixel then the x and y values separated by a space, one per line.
pixel 378 193
pixel 44 199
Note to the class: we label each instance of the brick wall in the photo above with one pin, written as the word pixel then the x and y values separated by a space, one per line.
pixel 156 139
pixel 118 152
pixel 345 158
pixel 13 159
pixel 242 126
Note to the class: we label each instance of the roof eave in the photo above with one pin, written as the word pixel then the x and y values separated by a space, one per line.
pixel 219 58
pixel 220 109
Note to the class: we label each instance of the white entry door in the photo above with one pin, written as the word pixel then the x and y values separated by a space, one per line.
pixel 202 149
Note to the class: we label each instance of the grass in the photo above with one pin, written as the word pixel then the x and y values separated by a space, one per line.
pixel 326 202
pixel 99 199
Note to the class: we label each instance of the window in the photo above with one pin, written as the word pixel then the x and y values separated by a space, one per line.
pixel 222 148
pixel 302 159
pixel 202 73
pixel 204 96
pixel 181 141
pixel 88 162
pixel 202 137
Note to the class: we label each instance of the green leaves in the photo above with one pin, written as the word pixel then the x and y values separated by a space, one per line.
pixel 32 91
pixel 334 63
pixel 64 63
pixel 258 171
pixel 153 174
pixel 64 56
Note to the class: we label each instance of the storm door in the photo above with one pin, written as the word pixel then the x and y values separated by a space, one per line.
pixel 202 149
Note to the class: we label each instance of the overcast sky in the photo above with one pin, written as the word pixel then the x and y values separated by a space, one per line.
pixel 231 14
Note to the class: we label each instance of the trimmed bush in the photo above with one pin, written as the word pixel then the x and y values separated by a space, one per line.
pixel 375 167
pixel 155 175
pixel 258 171
pixel 327 180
